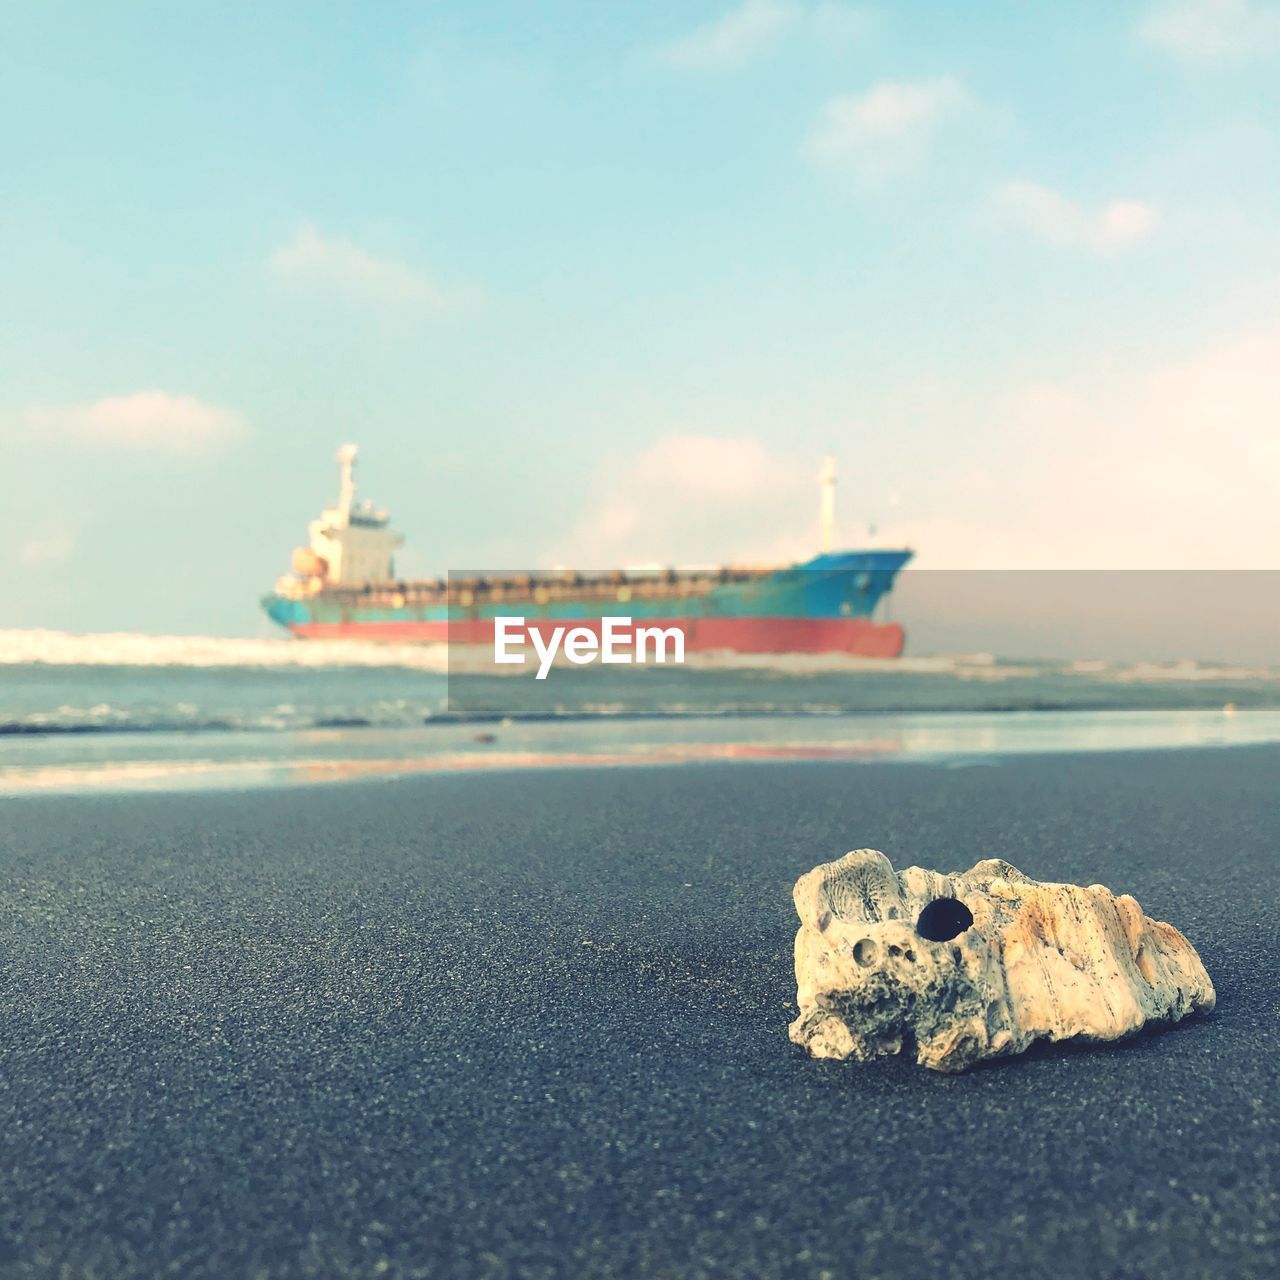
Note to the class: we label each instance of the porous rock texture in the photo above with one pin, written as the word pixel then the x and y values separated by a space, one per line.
pixel 976 964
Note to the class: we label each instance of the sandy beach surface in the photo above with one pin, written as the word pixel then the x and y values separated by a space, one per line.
pixel 534 1024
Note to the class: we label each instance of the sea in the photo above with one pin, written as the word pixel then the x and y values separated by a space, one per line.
pixel 129 712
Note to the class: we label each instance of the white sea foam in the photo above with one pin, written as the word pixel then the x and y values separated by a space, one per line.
pixel 127 649
pixel 964 664
pixel 1186 670
pixel 133 649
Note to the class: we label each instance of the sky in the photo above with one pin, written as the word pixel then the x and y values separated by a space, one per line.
pixel 599 284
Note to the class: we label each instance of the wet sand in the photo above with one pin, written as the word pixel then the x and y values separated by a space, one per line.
pixel 534 1024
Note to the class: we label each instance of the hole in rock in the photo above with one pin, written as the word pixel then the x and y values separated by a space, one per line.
pixel 944 919
pixel 864 952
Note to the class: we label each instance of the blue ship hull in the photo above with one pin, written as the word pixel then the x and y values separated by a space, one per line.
pixel 821 605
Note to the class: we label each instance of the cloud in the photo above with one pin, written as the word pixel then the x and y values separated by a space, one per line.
pixel 885 130
pixel 153 420
pixel 733 39
pixel 334 265
pixel 1051 217
pixel 697 499
pixel 746 32
pixel 1213 30
pixel 1175 466
pixel 1171 465
pixel 38 551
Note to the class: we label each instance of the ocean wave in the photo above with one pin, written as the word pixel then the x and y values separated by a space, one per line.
pixel 834 663
pixel 375 718
pixel 135 649
pixel 130 649
pixel 46 648
pixel 1184 671
pixel 59 683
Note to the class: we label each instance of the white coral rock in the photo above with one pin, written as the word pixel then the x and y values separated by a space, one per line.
pixel 977 964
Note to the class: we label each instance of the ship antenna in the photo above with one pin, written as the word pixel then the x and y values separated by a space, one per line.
pixel 347 491
pixel 828 503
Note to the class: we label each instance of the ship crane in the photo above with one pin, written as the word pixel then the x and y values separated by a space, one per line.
pixel 828 516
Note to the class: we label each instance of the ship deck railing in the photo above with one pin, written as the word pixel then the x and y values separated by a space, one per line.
pixel 467 591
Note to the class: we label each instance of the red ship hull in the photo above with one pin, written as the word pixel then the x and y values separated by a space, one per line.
pixel 856 636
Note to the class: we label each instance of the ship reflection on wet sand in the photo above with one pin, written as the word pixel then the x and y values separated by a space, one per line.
pixel 670 753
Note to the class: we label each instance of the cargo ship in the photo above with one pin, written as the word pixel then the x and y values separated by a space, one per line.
pixel 343 585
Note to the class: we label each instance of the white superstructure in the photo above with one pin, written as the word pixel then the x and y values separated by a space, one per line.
pixel 351 543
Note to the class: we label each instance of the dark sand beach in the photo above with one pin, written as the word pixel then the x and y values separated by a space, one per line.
pixel 535 1024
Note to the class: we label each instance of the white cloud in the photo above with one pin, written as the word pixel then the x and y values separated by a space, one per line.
pixel 1172 467
pixel 732 39
pixel 1050 216
pixel 1213 30
pixel 154 420
pixel 746 32
pixel 332 264
pixel 41 550
pixel 697 499
pixel 885 130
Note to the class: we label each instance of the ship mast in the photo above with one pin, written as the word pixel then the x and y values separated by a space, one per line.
pixel 828 503
pixel 347 489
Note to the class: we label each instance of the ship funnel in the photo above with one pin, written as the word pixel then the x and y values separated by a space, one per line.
pixel 828 503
